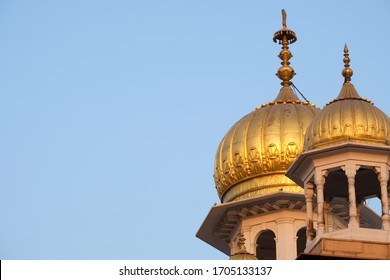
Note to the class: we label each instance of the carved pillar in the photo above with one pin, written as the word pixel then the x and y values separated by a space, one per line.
pixel 359 203
pixel 286 248
pixel 320 182
pixel 309 212
pixel 326 214
pixel 350 171
pixel 383 176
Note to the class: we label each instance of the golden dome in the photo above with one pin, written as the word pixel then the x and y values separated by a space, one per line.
pixel 254 155
pixel 256 152
pixel 348 118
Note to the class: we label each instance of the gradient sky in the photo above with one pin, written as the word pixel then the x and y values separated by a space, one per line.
pixel 111 111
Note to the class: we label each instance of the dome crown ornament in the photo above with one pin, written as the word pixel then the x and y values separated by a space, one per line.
pixel 255 153
pixel 347 72
pixel 348 90
pixel 285 37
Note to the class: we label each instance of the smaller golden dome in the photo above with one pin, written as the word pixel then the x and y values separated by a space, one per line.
pixel 348 118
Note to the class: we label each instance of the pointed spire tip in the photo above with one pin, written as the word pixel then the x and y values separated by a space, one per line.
pixel 285 37
pixel 284 19
pixel 347 72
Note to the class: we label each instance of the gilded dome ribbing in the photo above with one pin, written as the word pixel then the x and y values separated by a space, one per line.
pixel 254 155
pixel 348 118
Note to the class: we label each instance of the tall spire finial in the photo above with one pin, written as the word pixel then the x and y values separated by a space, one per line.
pixel 347 72
pixel 285 37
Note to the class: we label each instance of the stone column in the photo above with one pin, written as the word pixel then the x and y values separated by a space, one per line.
pixel 326 214
pixel 350 171
pixel 358 211
pixel 309 212
pixel 383 176
pixel 286 248
pixel 320 182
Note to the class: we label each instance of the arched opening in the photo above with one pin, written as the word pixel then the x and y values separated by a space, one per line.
pixel 301 241
pixel 266 246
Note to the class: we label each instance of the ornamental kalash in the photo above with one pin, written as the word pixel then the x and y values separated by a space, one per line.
pixel 293 179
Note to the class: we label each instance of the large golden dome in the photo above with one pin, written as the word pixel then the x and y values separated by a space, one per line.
pixel 254 155
pixel 348 118
pixel 256 152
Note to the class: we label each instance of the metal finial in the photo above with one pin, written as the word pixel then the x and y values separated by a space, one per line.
pixel 285 37
pixel 347 72
pixel 241 243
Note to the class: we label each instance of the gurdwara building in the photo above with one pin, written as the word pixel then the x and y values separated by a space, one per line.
pixel 293 179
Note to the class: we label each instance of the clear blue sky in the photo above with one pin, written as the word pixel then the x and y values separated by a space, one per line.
pixel 111 111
